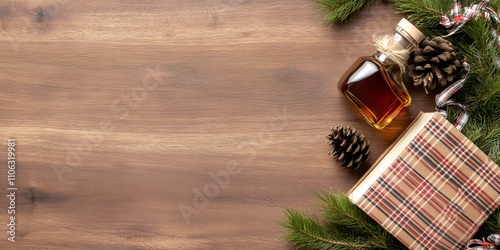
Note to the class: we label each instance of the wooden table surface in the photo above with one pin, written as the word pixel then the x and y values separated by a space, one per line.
pixel 175 124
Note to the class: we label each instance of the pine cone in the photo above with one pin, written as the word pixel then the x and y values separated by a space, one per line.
pixel 433 63
pixel 349 147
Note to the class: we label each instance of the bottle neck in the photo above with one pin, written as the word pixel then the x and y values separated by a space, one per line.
pixel 402 40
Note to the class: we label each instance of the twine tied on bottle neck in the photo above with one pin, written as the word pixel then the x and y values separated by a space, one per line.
pixel 392 49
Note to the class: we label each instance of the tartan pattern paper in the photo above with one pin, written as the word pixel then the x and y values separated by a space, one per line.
pixel 437 192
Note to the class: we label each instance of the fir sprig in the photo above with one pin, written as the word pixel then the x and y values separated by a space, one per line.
pixel 424 13
pixel 339 10
pixel 492 225
pixel 341 215
pixel 307 233
pixel 346 227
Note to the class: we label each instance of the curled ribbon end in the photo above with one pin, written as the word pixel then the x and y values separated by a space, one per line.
pixel 443 99
pixel 491 243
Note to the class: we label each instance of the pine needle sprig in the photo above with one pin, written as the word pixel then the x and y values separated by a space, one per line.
pixel 347 218
pixel 345 227
pixel 307 233
pixel 490 226
pixel 339 10
pixel 485 134
pixel 424 13
pixel 342 214
pixel 477 38
pixel 481 92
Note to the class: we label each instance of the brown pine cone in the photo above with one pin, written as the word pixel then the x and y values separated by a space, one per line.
pixel 433 63
pixel 349 147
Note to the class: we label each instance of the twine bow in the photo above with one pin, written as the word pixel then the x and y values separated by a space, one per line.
pixel 392 49
pixel 491 243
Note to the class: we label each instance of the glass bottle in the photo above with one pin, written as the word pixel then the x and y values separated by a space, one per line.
pixel 374 84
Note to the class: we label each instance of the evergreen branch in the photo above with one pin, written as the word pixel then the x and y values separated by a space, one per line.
pixel 485 134
pixel 497 227
pixel 346 217
pixel 307 233
pixel 495 152
pixel 424 13
pixel 343 214
pixel 339 10
pixel 490 226
pixel 482 90
pixel 429 7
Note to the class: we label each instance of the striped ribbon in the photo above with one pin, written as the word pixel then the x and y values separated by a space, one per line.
pixel 491 243
pixel 459 20
pixel 477 10
pixel 443 100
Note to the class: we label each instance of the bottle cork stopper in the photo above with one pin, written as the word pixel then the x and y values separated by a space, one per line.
pixel 411 30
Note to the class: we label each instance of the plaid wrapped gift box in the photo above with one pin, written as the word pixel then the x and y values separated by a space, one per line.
pixel 433 188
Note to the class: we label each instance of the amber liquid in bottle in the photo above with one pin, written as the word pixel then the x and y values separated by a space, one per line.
pixel 374 88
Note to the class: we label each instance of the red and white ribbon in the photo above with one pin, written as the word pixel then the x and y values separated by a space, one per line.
pixel 491 243
pixel 460 18
pixel 477 10
pixel 443 100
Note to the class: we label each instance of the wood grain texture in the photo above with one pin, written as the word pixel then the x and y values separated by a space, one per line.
pixel 124 110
